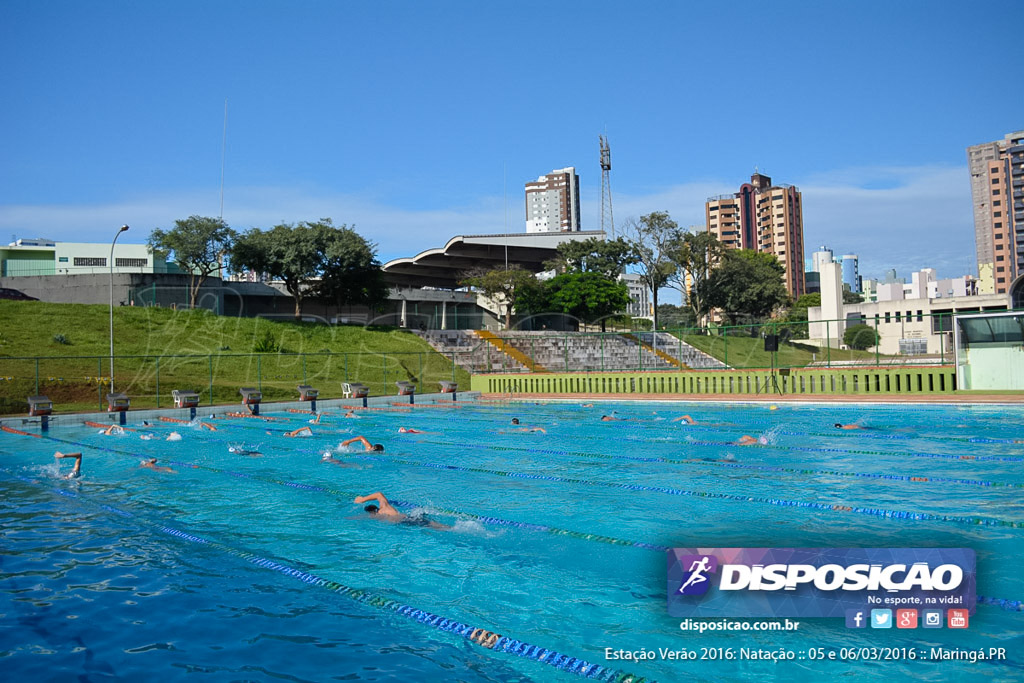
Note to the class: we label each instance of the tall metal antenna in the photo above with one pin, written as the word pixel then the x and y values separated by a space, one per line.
pixel 504 189
pixel 223 150
pixel 607 224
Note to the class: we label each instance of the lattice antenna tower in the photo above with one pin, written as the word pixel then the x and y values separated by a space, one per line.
pixel 607 220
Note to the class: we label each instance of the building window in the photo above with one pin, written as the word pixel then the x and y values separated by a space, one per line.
pixel 90 261
pixel 897 316
pixel 887 316
pixel 1000 279
pixel 997 202
pixel 920 316
pixel 130 262
pixel 63 259
pixel 1000 258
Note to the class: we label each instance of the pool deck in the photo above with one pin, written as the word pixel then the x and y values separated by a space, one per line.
pixel 958 398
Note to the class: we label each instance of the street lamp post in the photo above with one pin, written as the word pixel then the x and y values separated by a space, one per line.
pixel 123 228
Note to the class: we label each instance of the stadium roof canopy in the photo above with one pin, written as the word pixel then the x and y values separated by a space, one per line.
pixel 446 266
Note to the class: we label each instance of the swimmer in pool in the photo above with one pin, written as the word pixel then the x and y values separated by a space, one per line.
pixel 150 464
pixel 369 447
pixel 405 430
pixel 384 510
pixel 301 431
pixel 609 418
pixel 747 440
pixel 350 414
pixel 840 425
pixel 526 429
pixel 76 471
pixel 244 450
pixel 687 419
pixel 112 429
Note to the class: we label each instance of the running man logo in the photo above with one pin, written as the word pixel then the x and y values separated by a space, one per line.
pixel 695 581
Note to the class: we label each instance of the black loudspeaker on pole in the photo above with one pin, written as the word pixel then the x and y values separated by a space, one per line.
pixel 771 342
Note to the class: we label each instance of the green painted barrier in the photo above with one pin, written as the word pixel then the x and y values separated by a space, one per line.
pixel 882 381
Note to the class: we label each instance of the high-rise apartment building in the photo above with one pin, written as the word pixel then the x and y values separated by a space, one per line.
pixel 553 202
pixel 764 217
pixel 997 192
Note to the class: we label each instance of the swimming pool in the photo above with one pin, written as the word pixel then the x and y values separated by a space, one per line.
pixel 261 567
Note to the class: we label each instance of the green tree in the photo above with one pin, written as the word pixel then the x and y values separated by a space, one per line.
pixel 314 260
pixel 198 245
pixel 503 286
pixel 593 255
pixel 852 297
pixel 795 323
pixel 587 296
pixel 652 238
pixel 860 337
pixel 695 257
pixel 747 284
pixel 673 316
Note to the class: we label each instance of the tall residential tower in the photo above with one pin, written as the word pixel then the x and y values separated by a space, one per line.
pixel 553 202
pixel 763 217
pixel 997 193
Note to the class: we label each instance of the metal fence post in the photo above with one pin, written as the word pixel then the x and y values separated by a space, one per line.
pixel 158 381
pixel 828 346
pixel 211 378
pixel 259 372
pixel 304 369
pixel 385 357
pixel 37 376
pixel 346 366
pixel 453 366
pixel 420 376
pixel 725 340
pixel 878 344
pixel 567 352
pixel 99 380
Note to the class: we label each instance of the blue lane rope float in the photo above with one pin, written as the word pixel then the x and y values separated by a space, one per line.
pixel 485 638
pixel 780 502
pixel 1011 605
pixel 701 462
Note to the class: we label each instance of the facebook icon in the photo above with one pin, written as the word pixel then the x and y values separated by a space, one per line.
pixel 855 618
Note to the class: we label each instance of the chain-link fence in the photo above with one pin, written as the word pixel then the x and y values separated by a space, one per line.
pixel 908 337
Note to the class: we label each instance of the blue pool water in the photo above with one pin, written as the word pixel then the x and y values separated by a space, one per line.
pixel 241 567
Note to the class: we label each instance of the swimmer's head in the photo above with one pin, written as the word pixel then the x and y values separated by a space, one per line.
pixel 515 420
pixel 838 426
pixel 773 407
pixel 325 456
pixel 378 447
pixel 372 509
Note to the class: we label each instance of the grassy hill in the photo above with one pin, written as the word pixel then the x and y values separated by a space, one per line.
pixel 748 352
pixel 157 349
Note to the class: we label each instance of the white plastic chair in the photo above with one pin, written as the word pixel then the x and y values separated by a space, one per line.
pixel 346 390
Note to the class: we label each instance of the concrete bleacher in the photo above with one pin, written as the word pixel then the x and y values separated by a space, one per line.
pixel 471 353
pixel 568 351
pixel 573 351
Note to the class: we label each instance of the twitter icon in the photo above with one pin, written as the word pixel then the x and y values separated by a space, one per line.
pixel 881 618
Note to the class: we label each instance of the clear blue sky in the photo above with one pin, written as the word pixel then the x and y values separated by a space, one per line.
pixel 417 121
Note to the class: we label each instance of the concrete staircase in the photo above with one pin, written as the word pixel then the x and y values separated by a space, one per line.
pixel 573 351
pixel 470 352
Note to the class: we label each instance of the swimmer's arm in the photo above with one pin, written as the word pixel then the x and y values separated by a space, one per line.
pixel 77 469
pixel 361 439
pixel 380 499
